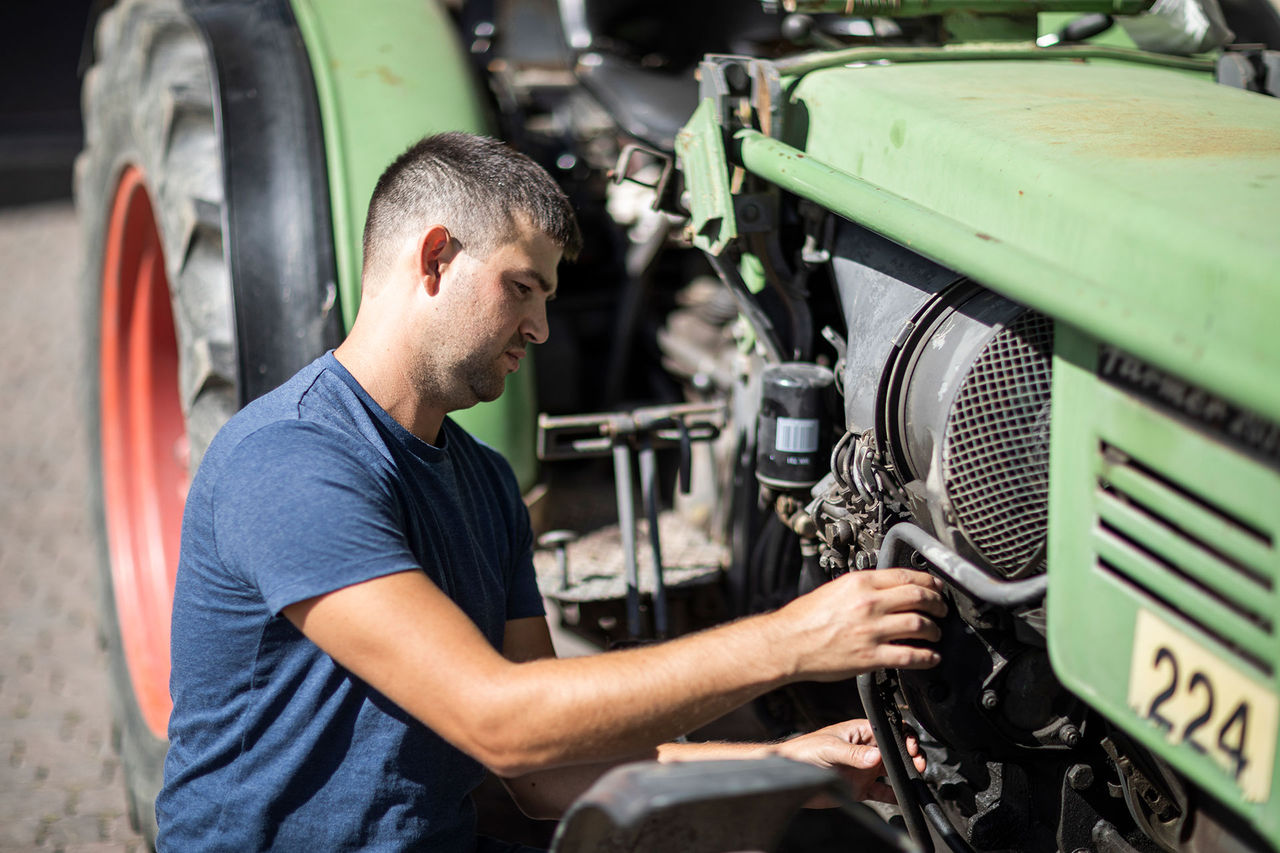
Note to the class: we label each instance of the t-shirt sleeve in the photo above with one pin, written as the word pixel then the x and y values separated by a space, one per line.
pixel 523 597
pixel 300 511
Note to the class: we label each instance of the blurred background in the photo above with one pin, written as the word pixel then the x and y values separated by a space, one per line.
pixel 60 784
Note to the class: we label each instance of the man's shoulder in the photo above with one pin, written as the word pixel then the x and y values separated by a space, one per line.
pixel 312 413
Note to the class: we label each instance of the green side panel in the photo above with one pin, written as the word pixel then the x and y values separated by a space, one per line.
pixel 387 74
pixel 1147 198
pixel 1163 566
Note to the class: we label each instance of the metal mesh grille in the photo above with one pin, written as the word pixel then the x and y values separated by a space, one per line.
pixel 995 453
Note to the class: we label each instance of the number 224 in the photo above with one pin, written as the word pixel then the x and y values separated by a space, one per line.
pixel 1231 736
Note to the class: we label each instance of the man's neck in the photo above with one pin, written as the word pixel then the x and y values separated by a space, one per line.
pixel 386 381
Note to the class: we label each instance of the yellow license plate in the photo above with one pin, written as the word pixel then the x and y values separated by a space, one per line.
pixel 1204 703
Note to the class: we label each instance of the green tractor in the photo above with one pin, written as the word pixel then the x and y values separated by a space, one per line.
pixel 977 286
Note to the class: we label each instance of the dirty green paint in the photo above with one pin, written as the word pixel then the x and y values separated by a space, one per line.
pixel 1095 663
pixel 386 75
pixel 752 272
pixel 1135 202
pixel 700 146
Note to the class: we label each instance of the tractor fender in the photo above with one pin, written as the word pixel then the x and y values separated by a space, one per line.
pixel 387 74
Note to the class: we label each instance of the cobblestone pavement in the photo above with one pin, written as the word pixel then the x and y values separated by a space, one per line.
pixel 60 786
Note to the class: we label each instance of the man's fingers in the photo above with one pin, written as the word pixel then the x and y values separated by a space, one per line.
pixel 907 626
pixel 864 757
pixel 890 656
pixel 898 599
pixel 885 578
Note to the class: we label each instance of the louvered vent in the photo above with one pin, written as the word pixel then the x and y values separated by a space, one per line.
pixel 1198 559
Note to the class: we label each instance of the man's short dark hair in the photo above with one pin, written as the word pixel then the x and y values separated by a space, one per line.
pixel 472 185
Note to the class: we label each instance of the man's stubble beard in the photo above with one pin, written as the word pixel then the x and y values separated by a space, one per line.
pixel 457 376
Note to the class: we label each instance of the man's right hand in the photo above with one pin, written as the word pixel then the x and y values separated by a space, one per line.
pixel 860 622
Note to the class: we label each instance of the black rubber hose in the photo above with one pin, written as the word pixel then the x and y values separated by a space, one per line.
pixel 893 753
pixel 914 797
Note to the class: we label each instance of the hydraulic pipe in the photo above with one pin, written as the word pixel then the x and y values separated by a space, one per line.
pixel 960 571
pixel 916 8
pixel 806 62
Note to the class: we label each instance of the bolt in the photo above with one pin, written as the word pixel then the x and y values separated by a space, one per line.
pixel 1069 735
pixel 863 561
pixel 737 79
pixel 1080 776
pixel 558 541
pixel 990 700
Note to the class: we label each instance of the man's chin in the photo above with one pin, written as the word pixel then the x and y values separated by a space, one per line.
pixel 489 392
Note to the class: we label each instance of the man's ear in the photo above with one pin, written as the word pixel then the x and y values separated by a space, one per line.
pixel 434 253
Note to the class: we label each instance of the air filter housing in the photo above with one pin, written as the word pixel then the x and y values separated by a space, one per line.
pixel 965 416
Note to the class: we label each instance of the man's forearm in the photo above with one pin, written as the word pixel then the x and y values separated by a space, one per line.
pixel 621 704
pixel 404 637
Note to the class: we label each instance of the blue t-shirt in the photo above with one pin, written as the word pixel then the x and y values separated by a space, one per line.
pixel 273 745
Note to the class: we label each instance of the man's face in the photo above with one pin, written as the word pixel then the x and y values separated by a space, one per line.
pixel 496 306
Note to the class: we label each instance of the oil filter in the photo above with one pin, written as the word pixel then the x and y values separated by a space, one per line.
pixel 792 443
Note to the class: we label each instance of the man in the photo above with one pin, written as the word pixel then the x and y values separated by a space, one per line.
pixel 357 633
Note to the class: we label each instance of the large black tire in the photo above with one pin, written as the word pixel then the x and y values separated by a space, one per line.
pixel 178 339
pixel 148 106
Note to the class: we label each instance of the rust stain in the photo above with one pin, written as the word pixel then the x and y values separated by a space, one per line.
pixel 386 76
pixel 1132 128
pixel 987 237
pixel 1019 192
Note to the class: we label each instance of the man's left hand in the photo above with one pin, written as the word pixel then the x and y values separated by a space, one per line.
pixel 850 749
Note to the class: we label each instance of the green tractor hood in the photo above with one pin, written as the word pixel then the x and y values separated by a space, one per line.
pixel 1139 203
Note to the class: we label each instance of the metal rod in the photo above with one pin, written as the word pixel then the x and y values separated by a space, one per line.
pixel 805 63
pixel 960 571
pixel 916 8
pixel 649 493
pixel 627 524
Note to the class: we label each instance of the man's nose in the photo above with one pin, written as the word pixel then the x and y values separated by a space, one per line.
pixel 535 328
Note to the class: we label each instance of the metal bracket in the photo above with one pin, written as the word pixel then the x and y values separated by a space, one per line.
pixel 618 434
pixel 623 171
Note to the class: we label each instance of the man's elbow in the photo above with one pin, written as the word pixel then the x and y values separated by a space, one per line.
pixel 507 750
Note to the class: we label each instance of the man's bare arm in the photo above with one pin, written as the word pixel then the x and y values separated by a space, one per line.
pixel 408 640
pixel 847 747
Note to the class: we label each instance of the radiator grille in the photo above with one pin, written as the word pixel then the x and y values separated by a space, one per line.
pixel 995 452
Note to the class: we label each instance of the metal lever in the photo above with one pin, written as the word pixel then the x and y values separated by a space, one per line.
pixel 627 524
pixel 649 493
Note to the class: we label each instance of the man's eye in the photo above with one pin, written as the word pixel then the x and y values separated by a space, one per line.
pixel 523 289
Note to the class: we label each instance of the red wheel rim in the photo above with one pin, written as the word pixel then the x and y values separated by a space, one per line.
pixel 144 443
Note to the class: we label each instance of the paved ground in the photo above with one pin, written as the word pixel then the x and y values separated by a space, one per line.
pixel 59 779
